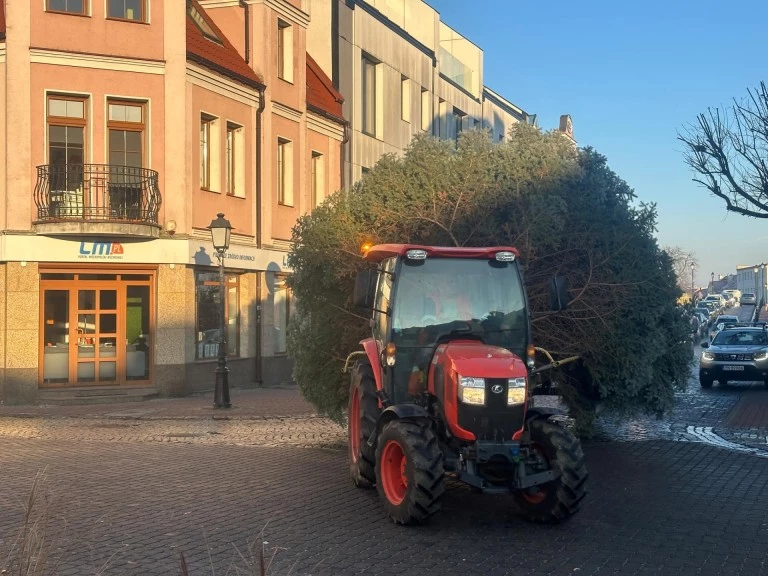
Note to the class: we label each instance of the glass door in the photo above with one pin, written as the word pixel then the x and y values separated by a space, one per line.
pixel 95 335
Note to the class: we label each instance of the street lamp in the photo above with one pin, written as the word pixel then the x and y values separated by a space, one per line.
pixel 693 266
pixel 755 271
pixel 220 230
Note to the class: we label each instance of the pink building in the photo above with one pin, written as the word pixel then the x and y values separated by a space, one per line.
pixel 128 125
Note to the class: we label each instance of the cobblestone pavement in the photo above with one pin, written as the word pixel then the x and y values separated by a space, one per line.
pixel 130 486
pixel 655 507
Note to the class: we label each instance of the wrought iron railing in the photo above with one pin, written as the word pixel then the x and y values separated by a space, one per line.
pixel 96 192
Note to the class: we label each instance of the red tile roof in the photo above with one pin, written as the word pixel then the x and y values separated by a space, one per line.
pixel 2 19
pixel 222 58
pixel 321 95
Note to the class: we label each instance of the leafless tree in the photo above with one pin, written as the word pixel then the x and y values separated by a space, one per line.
pixel 681 262
pixel 728 152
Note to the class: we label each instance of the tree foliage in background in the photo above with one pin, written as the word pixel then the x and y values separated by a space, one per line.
pixel 728 151
pixel 565 211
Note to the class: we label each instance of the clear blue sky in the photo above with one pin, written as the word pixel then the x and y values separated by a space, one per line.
pixel 631 74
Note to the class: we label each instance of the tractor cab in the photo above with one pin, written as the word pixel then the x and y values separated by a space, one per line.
pixel 426 297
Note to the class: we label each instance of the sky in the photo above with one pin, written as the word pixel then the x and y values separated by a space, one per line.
pixel 632 75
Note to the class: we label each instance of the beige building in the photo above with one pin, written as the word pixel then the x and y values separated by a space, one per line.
pixel 126 127
pixel 404 72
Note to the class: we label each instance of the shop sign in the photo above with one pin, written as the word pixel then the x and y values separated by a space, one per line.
pixel 101 251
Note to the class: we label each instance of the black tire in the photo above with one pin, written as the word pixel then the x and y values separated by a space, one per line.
pixel 561 498
pixel 362 461
pixel 705 381
pixel 410 490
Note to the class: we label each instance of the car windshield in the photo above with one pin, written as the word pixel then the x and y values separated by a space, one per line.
pixel 438 298
pixel 741 338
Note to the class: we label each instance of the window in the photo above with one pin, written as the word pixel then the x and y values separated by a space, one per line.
pixel 126 10
pixel 66 118
pixel 284 51
pixel 281 311
pixel 125 125
pixel 206 123
pixel 442 119
pixel 284 172
pixel 208 302
pixel 202 24
pixel 426 119
pixel 405 99
pixel 317 178
pixel 369 97
pixel 68 6
pixel 230 186
pixel 458 118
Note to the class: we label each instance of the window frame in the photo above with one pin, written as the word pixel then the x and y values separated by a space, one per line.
pixel 84 12
pixel 426 119
pixel 206 129
pixel 230 174
pixel 368 94
pixel 284 173
pixel 284 51
pixel 66 121
pixel 317 177
pixel 128 127
pixel 230 279
pixel 143 9
pixel 405 99
pixel 281 286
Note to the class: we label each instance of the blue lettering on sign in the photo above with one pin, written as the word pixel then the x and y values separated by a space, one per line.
pixel 110 250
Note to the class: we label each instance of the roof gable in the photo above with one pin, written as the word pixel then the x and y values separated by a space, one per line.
pixel 207 45
pixel 321 95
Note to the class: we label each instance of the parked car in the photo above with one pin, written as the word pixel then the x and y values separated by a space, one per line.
pixel 723 322
pixel 748 298
pixel 735 293
pixel 704 311
pixel 739 354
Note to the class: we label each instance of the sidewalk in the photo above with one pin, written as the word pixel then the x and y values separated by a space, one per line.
pixel 247 403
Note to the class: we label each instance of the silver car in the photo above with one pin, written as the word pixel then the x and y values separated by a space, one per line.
pixel 747 298
pixel 735 354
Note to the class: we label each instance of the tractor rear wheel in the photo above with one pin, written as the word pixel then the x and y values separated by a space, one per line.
pixel 363 414
pixel 558 449
pixel 409 471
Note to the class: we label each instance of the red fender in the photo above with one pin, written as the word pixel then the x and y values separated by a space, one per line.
pixel 372 351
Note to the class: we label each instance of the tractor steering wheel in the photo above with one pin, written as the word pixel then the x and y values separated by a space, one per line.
pixel 428 317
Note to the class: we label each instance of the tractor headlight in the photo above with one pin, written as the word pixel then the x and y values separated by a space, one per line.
pixel 472 390
pixel 516 391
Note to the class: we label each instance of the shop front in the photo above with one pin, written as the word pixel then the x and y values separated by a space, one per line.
pixel 96 326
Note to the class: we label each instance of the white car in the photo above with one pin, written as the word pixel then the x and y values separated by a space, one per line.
pixel 747 298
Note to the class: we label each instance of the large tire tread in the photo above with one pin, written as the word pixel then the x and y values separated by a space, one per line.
pixel 564 495
pixel 363 472
pixel 424 469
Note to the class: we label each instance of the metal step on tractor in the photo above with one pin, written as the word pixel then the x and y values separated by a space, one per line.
pixel 442 385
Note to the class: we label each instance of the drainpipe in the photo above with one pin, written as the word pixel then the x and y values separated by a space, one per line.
pixel 259 275
pixel 244 4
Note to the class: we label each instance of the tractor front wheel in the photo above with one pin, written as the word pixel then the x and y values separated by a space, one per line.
pixel 363 414
pixel 409 471
pixel 553 447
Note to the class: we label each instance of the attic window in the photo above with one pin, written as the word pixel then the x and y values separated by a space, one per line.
pixel 201 23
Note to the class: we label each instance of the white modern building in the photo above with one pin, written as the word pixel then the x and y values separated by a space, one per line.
pixel 753 279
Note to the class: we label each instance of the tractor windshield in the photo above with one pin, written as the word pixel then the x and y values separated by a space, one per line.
pixel 445 298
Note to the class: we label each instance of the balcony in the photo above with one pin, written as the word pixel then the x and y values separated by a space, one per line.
pixel 97 199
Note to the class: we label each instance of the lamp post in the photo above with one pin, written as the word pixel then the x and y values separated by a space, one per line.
pixel 693 266
pixel 220 230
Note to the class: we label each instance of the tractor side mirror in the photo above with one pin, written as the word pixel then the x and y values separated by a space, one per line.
pixel 559 297
pixel 365 288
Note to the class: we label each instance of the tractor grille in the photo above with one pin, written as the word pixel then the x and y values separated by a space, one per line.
pixel 495 421
pixel 734 357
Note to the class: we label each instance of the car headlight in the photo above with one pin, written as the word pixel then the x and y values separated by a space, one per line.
pixel 761 355
pixel 516 391
pixel 707 355
pixel 472 390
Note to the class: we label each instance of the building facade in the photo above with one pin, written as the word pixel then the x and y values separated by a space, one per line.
pixel 753 280
pixel 127 127
pixel 404 72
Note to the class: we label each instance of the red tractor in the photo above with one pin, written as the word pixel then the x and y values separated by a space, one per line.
pixel 442 386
